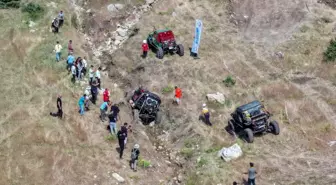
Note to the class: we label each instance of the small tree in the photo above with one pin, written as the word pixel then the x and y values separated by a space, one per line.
pixel 330 53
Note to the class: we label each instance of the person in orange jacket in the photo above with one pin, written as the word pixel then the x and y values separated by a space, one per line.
pixel 178 95
pixel 106 95
pixel 145 48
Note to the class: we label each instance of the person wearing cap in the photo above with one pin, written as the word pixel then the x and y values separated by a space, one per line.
pixel 135 156
pixel 145 48
pixel 206 114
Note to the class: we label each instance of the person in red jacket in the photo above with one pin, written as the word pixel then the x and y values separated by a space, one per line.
pixel 106 95
pixel 178 95
pixel 145 48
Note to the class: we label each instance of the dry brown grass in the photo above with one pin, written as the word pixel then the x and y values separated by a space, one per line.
pixel 42 150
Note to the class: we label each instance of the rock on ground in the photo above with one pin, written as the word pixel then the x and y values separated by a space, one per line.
pixel 118 177
pixel 218 97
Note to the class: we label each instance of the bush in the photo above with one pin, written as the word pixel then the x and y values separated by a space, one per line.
pixel 9 4
pixel 33 10
pixel 143 163
pixel 167 89
pixel 111 137
pixel 229 81
pixel 330 54
pixel 187 152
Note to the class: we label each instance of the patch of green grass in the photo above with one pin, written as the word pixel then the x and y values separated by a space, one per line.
pixel 167 89
pixel 144 163
pixel 111 137
pixel 33 10
pixel 229 81
pixel 330 53
pixel 304 28
pixel 202 162
pixel 326 128
pixel 187 152
pixel 213 149
pixel 4 4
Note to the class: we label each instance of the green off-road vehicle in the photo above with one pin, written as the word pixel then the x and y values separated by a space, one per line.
pixel 163 42
pixel 251 119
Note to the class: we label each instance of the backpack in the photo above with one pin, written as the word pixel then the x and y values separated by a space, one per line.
pixel 134 153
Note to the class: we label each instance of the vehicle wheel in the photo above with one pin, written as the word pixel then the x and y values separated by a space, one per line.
pixel 248 135
pixel 135 116
pixel 274 126
pixel 231 126
pixel 158 117
pixel 180 50
pixel 159 53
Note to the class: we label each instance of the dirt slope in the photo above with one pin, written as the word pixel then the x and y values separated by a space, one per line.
pixel 298 89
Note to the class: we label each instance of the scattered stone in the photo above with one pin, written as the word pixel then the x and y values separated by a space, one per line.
pixel 331 143
pixel 119 6
pixel 230 153
pixel 115 85
pixel 179 178
pixel 118 177
pixel 95 176
pixel 218 97
pixel 151 124
pixel 280 55
pixel 149 2
pixel 115 7
pixel 174 14
pixel 31 24
pixel 246 17
pixel 160 147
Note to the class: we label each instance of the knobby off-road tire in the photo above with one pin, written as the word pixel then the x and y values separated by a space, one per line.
pixel 158 117
pixel 136 116
pixel 231 126
pixel 159 53
pixel 275 129
pixel 180 50
pixel 248 134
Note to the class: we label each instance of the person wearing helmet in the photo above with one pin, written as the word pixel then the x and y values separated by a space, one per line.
pixel 145 48
pixel 135 156
pixel 206 114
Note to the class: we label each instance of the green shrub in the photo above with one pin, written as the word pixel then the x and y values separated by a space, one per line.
pixel 229 81
pixel 187 152
pixel 202 162
pixel 330 54
pixel 74 21
pixel 144 163
pixel 111 137
pixel 167 89
pixel 33 10
pixel 4 4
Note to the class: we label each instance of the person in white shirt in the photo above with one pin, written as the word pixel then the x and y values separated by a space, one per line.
pixel 84 63
pixel 98 77
pixel 73 72
pixel 91 73
pixel 58 49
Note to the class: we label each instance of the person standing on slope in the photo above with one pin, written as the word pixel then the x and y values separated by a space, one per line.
pixel 251 175
pixel 206 114
pixel 106 95
pixel 121 139
pixel 103 108
pixel 81 103
pixel 61 18
pixel 135 157
pixel 145 48
pixel 58 49
pixel 178 95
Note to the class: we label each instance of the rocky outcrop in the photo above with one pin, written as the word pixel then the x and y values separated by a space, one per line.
pixel 218 97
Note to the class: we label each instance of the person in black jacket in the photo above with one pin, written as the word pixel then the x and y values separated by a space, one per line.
pixel 121 138
pixel 94 92
pixel 135 156
pixel 59 113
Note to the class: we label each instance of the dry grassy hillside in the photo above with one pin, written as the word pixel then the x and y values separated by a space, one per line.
pixel 239 39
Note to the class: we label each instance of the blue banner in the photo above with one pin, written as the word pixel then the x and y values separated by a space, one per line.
pixel 197 39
